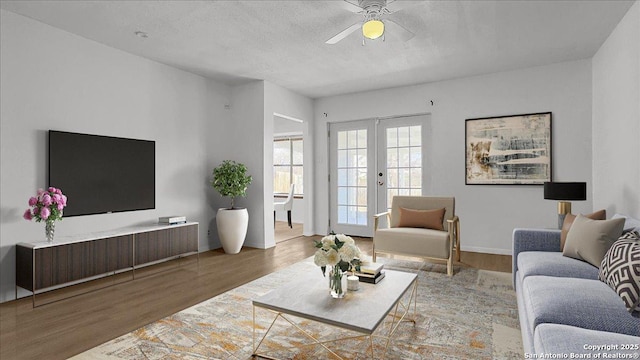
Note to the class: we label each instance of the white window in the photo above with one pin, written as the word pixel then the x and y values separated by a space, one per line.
pixel 287 165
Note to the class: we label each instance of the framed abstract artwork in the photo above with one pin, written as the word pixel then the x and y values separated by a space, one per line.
pixel 508 150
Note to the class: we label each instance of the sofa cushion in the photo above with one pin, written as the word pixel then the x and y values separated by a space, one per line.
pixel 568 221
pixel 552 263
pixel 564 339
pixel 525 329
pixel 584 303
pixel 589 240
pixel 620 269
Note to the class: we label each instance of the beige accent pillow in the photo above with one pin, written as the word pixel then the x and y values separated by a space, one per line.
pixel 568 220
pixel 589 240
pixel 428 219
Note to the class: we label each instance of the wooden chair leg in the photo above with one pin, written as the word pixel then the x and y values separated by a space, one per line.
pixel 289 218
pixel 373 251
pixel 450 266
pixel 458 241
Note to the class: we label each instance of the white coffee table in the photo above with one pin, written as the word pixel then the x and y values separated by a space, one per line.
pixel 361 311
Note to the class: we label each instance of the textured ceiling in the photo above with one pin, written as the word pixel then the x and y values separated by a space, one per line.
pixel 283 41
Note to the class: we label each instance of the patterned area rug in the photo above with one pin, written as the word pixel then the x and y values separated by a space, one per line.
pixel 472 315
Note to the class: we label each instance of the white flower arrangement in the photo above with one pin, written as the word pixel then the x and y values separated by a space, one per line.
pixel 337 250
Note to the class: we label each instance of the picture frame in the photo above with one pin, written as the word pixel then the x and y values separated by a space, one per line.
pixel 508 150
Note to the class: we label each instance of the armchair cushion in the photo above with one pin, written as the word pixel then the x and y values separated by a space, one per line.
pixel 428 219
pixel 413 242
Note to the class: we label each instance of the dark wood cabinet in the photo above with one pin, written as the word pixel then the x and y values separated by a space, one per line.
pixel 183 240
pixel 46 265
pixel 152 246
pixel 120 253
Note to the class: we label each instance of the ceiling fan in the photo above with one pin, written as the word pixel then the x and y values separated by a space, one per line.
pixel 375 20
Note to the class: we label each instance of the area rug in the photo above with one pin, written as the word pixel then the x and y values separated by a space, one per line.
pixel 472 315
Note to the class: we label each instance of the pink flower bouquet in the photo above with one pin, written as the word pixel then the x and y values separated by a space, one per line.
pixel 46 206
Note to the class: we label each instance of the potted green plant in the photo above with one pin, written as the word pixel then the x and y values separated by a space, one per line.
pixel 230 179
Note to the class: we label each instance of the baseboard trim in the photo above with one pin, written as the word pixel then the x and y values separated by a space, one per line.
pixel 486 250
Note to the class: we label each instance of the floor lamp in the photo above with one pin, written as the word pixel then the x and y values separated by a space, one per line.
pixel 565 191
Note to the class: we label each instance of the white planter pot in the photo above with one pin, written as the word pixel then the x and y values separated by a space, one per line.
pixel 232 228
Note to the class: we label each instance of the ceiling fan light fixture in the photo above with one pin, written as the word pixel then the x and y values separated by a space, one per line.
pixel 373 29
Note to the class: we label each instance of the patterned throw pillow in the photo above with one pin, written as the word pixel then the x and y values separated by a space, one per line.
pixel 620 269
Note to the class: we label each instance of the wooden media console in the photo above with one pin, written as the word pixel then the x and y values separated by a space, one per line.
pixel 45 266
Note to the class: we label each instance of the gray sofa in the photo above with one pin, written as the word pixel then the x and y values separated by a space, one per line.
pixel 563 308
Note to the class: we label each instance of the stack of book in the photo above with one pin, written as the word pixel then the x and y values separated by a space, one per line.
pixel 371 273
pixel 172 220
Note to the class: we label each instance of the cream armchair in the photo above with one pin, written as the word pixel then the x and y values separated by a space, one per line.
pixel 419 241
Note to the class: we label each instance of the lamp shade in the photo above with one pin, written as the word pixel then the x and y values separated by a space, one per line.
pixel 565 190
pixel 373 29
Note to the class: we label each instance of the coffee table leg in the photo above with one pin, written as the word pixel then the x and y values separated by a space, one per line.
pixel 397 319
pixel 255 347
pixel 304 332
pixel 415 299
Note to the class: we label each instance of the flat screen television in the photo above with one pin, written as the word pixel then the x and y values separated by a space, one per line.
pixel 102 174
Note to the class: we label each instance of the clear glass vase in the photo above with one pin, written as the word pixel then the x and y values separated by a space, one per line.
pixel 337 282
pixel 49 230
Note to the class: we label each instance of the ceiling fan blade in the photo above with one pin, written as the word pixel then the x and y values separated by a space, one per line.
pixel 350 5
pixel 395 6
pixel 397 30
pixel 344 33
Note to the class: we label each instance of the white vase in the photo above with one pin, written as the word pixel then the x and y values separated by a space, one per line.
pixel 232 228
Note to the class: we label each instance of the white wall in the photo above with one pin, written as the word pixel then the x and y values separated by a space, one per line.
pixel 488 213
pixel 286 127
pixel 51 79
pixel 616 119
pixel 247 137
pixel 241 138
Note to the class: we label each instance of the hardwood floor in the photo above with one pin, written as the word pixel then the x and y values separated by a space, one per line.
pixel 65 328
pixel 283 232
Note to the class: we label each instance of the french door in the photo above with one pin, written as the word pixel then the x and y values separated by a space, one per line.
pixel 370 162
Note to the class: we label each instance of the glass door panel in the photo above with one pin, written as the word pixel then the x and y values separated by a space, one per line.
pixel 370 162
pixel 400 159
pixel 351 148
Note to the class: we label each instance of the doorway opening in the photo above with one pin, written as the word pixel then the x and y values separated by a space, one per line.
pixel 288 177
